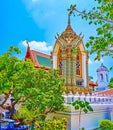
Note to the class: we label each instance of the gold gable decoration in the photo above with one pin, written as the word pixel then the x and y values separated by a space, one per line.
pixel 78 90
pixel 68 35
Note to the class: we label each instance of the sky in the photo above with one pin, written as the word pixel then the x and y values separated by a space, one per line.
pixel 38 21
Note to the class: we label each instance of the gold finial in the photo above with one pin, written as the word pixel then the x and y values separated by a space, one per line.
pixel 69 14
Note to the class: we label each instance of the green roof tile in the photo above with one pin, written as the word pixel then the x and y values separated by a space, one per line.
pixel 44 61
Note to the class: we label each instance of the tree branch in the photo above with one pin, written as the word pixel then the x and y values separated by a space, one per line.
pixel 6 97
pixel 92 15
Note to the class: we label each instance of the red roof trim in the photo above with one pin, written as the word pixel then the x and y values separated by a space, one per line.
pixel 28 54
pixel 108 92
pixel 92 84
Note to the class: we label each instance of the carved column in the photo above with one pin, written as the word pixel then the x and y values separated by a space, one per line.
pixel 73 70
pixel 68 75
pixel 63 54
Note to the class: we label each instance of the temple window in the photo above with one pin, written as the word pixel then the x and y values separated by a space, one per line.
pixel 78 71
pixel 78 63
pixel 79 83
pixel 106 77
pixel 101 77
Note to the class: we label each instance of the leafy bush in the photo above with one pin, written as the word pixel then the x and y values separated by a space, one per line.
pixel 106 125
pixel 55 124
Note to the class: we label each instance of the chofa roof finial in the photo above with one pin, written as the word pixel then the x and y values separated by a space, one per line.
pixel 27 43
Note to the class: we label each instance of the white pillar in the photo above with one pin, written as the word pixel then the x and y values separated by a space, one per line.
pixel 84 69
pixel 54 61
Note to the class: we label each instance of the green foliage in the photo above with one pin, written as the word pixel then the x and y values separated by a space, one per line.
pixel 90 78
pixel 35 89
pixel 106 124
pixel 75 50
pixel 85 106
pixel 7 69
pixel 102 15
pixel 26 115
pixel 110 85
pixel 55 124
pixel 30 116
pixel 70 10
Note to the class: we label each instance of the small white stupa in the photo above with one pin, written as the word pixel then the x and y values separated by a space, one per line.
pixel 103 78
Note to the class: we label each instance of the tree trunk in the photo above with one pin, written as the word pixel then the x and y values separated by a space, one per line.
pixel 79 119
pixel 6 98
pixel 12 109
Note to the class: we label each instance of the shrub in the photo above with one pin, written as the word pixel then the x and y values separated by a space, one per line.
pixel 106 125
pixel 55 124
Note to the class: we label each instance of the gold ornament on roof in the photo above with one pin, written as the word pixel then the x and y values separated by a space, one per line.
pixel 68 35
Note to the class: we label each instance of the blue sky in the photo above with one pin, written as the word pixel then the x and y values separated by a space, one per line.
pixel 38 21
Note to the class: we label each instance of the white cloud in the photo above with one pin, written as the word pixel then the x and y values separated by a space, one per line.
pixel 39 46
pixel 90 61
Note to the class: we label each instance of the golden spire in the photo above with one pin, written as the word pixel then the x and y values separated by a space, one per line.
pixel 69 35
pixel 68 28
pixel 69 18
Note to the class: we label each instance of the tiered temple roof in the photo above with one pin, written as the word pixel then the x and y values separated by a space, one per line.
pixel 39 59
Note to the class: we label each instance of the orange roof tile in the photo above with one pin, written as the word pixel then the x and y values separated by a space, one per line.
pixel 108 92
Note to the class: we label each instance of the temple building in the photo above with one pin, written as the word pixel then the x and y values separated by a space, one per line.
pixel 72 67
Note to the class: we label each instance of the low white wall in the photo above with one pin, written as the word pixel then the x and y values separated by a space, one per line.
pixel 90 120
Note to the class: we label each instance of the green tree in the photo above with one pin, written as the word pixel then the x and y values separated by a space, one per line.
pixel 101 15
pixel 110 85
pixel 81 106
pixel 90 78
pixel 36 89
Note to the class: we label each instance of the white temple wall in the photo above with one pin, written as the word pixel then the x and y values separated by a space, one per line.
pixel 90 120
pixel 111 114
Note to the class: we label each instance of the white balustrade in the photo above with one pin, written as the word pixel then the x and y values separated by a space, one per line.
pixel 69 97
pixel 89 98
